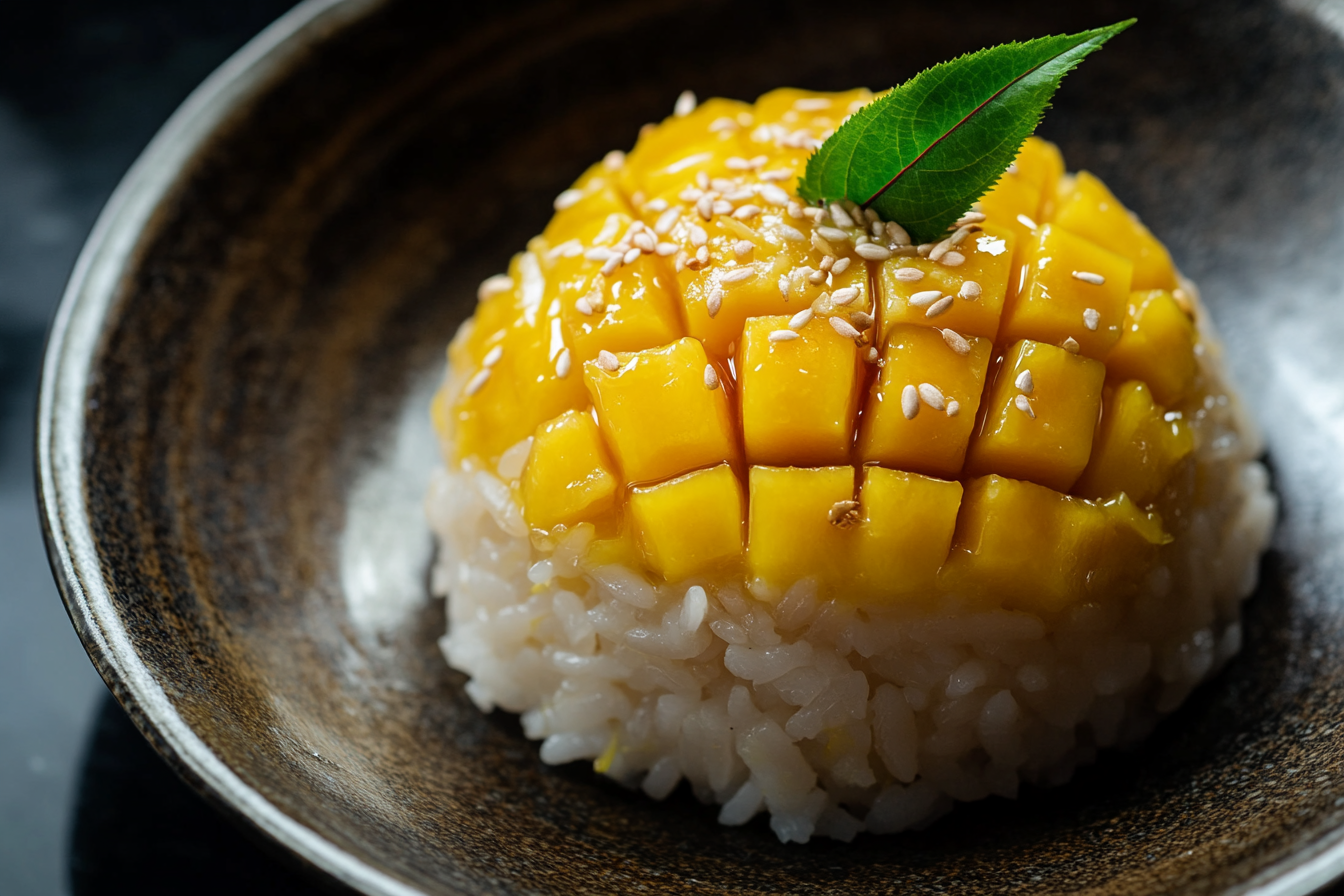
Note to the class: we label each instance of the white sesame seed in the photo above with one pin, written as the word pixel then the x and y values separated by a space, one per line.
pixel 711 377
pixel 723 124
pixel 784 286
pixel 737 163
pixel 1024 406
pixel 723 185
pixel 840 266
pixel 956 342
pixel 644 242
pixel 491 286
pixel 691 194
pixel 666 221
pixel 953 259
pixel 739 195
pixel 698 235
pixel 685 104
pixel 567 198
pixel 940 250
pixel 705 206
pixel 791 234
pixel 844 328
pixel 801 319
pixel 897 234
pixel 939 307
pixel 777 175
pixel 923 249
pixel 492 357
pixel 840 216
pixel 1091 317
pixel 833 234
pixel 666 249
pixel 562 363
pixel 774 195
pixel 845 295
pixel 871 355
pixel 811 104
pixel 657 205
pixel 702 256
pixel 1024 382
pixel 714 302
pixel 861 320
pixel 581 303
pixel 759 161
pixel 1012 168
pixel 872 216
pixel 962 232
pixel 844 514
pixel 613 160
pixel 909 402
pixel 1089 277
pixel 970 218
pixel 597 253
pixel 873 252
pixel 737 275
pixel 722 207
pixel 746 211
pixel 876 229
pixel 932 396
pixel 612 263
pixel 925 297
pixel 630 255
pixel 607 361
pixel 817 277
pixel 1070 345
pixel 702 180
pixel 1026 222
pixel 953 408
pixel 861 239
pixel 476 382
pixel 819 243
pixel 816 214
pixel 783 335
pixel 970 290
pixel 743 248
pixel 909 275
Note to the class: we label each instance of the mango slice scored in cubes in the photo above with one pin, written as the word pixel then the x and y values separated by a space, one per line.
pixel 932 441
pixel 657 414
pixel 902 537
pixel 974 310
pixel 595 195
pixel 798 397
pixel 789 532
pixel 1043 435
pixel 666 158
pixel 1023 546
pixel 1060 298
pixel 1089 209
pixel 1157 345
pixel 569 475
pixel 1136 447
pixel 1041 164
pixel 691 524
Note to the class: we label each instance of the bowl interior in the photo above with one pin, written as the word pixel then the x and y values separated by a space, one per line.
pixel 256 442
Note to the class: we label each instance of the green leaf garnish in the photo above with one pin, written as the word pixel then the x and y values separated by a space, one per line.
pixel 924 152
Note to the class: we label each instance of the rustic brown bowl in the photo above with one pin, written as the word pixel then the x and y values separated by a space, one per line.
pixel 233 438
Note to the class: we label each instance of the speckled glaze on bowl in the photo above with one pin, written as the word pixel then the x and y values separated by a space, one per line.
pixel 233 441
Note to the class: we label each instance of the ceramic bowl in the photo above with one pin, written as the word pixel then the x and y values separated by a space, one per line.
pixel 233 436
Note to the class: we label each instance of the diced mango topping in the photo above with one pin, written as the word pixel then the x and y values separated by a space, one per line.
pixel 690 524
pixel 726 381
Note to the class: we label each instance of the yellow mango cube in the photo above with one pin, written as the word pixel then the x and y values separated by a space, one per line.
pixel 784 115
pixel 1040 163
pixel 632 309
pixel 1088 208
pixel 1071 289
pixel 657 414
pixel 1013 204
pixel 666 159
pixel 1040 415
pixel 932 441
pixel 1157 345
pixel 691 524
pixel 595 195
pixel 1136 447
pixel 978 286
pixel 797 397
pixel 568 477
pixel 790 533
pixel 903 536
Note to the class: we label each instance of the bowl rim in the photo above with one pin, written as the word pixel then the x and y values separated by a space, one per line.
pixel 72 341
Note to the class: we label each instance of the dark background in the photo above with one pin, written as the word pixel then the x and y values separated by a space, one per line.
pixel 85 805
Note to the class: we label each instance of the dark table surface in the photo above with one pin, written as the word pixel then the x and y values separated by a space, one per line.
pixel 85 805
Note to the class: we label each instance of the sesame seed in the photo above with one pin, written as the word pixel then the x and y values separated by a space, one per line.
pixel 840 266
pixel 861 320
pixel 492 357
pixel 705 206
pixel 737 163
pixel 953 259
pixel 873 252
pixel 811 104
pixel 698 235
pixel 844 328
pixel 827 262
pixel 491 286
pixel 819 243
pixel 1070 345
pixel 783 336
pixel 666 220
pixel 817 277
pixel 909 402
pixel 897 234
pixel 816 214
pixel 476 382
pixel 612 263
pixel 939 307
pixel 871 356
pixel 1012 168
pixel 923 249
pixel 746 211
pixel 690 194
pixel 956 342
pixel 562 363
pixel 774 195
pixel 940 250
pixel 909 275
pixel 630 255
pixel 613 160
pixel 1091 317
pixel 953 408
pixel 932 396
pixel 777 175
pixel 721 207
pixel 702 180
pixel 962 232
pixel 607 361
pixel 970 290
pixel 738 195
pixel 872 216
pixel 845 295
pixel 792 234
pixel 581 303
pixel 784 286
pixel 737 275
pixel 743 248
pixel 685 104
pixel 666 249
pixel 876 229
pixel 567 199
pixel 1024 406
pixel 844 514
pixel 840 216
pixel 711 377
pixel 702 255
pixel 925 297
pixel 714 302
pixel 833 234
pixel 861 239
pixel 644 242
pixel 970 218
pixel 1026 222
pixel 1024 382
pixel 1089 277
pixel 723 124
pixel 759 161
pixel 801 319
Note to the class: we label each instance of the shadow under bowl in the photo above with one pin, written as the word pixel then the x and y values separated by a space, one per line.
pixel 233 437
